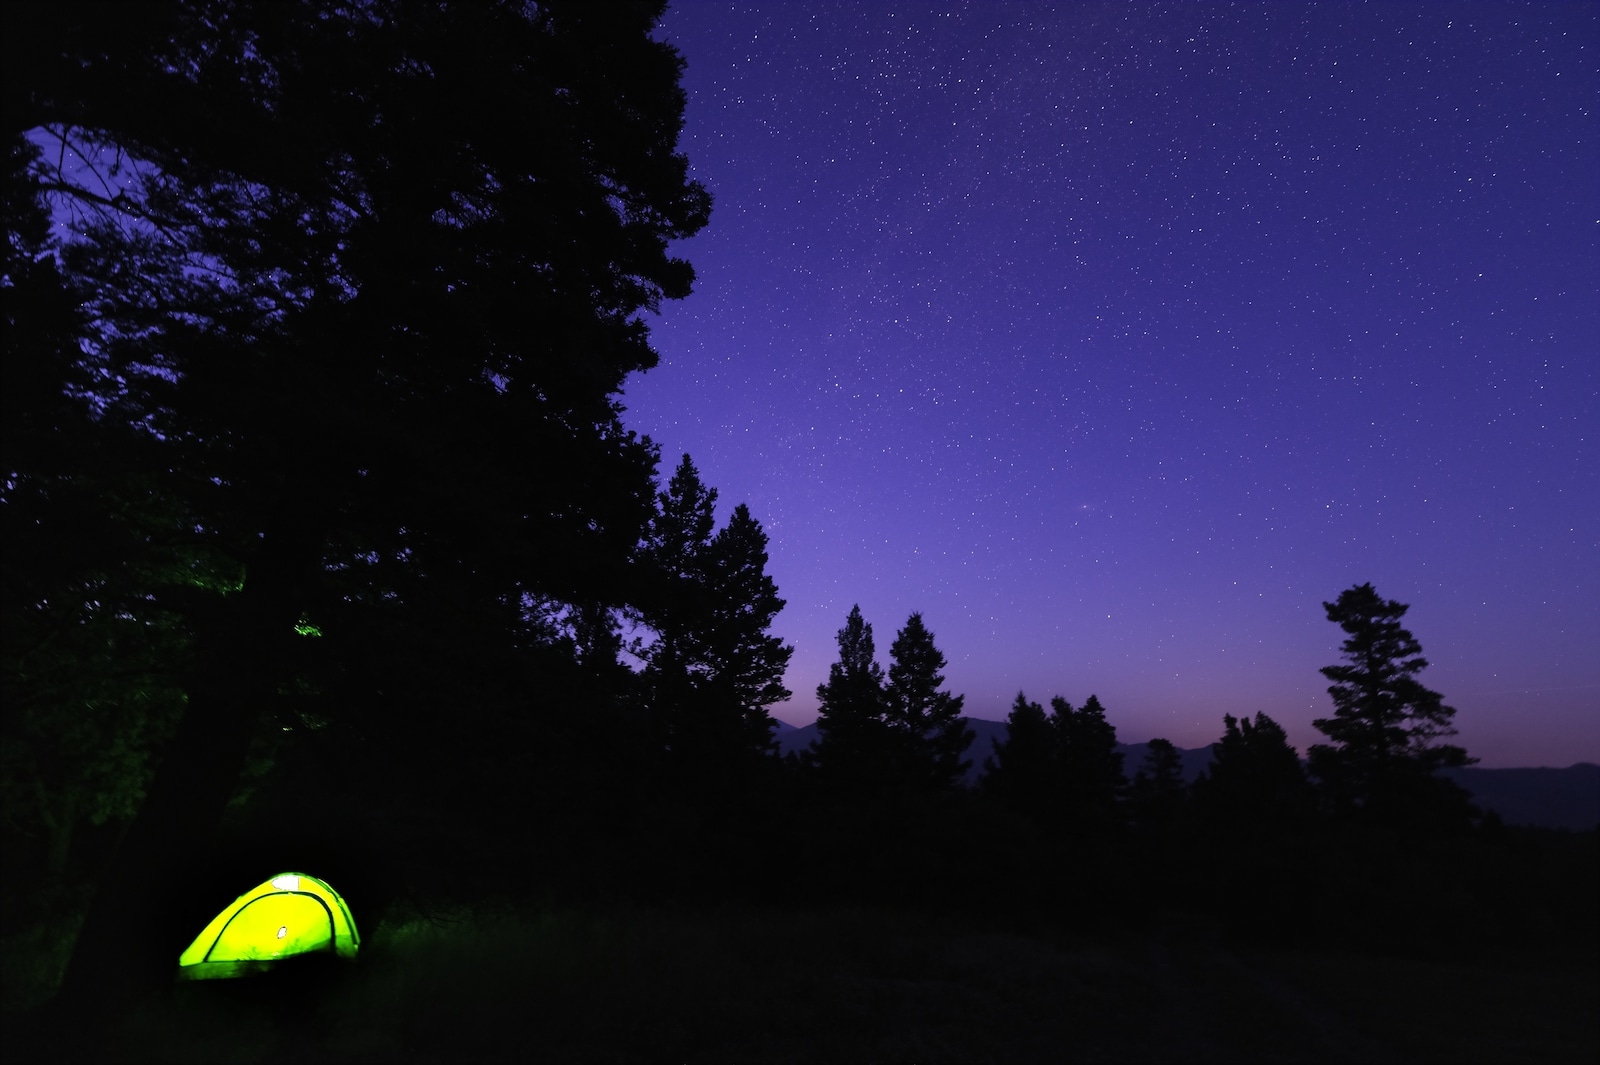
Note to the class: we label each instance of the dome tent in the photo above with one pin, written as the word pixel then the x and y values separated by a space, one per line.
pixel 288 916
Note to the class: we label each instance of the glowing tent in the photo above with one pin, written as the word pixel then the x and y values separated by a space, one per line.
pixel 288 916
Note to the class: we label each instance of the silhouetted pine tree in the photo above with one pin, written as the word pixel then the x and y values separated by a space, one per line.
pixel 676 599
pixel 1260 849
pixel 1092 781
pixel 1158 793
pixel 1255 783
pixel 926 721
pixel 1384 758
pixel 854 743
pixel 714 668
pixel 1022 771
pixel 745 661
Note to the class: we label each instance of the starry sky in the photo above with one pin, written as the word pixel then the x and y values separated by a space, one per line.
pixel 1117 337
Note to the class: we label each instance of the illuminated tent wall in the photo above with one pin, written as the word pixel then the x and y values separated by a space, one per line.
pixel 288 916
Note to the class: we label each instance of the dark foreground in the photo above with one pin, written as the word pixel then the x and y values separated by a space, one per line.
pixel 851 985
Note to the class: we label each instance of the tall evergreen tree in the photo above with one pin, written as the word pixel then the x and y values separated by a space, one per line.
pixel 854 743
pixel 747 659
pixel 1254 806
pixel 926 721
pixel 1092 781
pixel 1023 769
pixel 1386 725
pixel 677 545
pixel 715 667
pixel 1255 783
pixel 676 597
pixel 1157 792
pixel 372 334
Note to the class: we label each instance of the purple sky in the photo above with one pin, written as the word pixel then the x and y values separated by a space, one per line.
pixel 1115 338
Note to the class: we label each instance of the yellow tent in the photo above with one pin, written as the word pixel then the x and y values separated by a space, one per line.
pixel 290 915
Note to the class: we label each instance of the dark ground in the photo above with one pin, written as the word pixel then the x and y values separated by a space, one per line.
pixel 853 985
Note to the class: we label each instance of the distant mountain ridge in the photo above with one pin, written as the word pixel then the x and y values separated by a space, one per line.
pixel 1542 797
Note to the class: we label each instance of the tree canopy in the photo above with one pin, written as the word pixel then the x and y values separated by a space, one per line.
pixel 1255 782
pixel 714 668
pixel 1022 770
pixel 1091 766
pixel 1386 725
pixel 853 737
pixel 925 718
pixel 358 286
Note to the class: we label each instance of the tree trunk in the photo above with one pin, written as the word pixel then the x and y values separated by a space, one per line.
pixel 59 824
pixel 128 945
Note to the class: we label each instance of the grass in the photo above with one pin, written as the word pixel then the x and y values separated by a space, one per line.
pixel 1430 1011
pixel 855 985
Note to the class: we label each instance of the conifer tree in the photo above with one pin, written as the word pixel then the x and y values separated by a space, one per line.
pixel 1022 770
pixel 1157 793
pixel 926 720
pixel 1255 782
pixel 745 658
pixel 676 598
pixel 1386 725
pixel 1092 781
pixel 854 742
pixel 1255 808
pixel 714 668
pixel 371 333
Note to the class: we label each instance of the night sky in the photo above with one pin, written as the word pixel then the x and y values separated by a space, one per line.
pixel 1116 338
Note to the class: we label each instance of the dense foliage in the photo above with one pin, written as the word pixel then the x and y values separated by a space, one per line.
pixel 1385 725
pixel 327 336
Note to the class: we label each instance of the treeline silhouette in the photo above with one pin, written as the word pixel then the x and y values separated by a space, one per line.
pixel 1316 852
pixel 326 547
